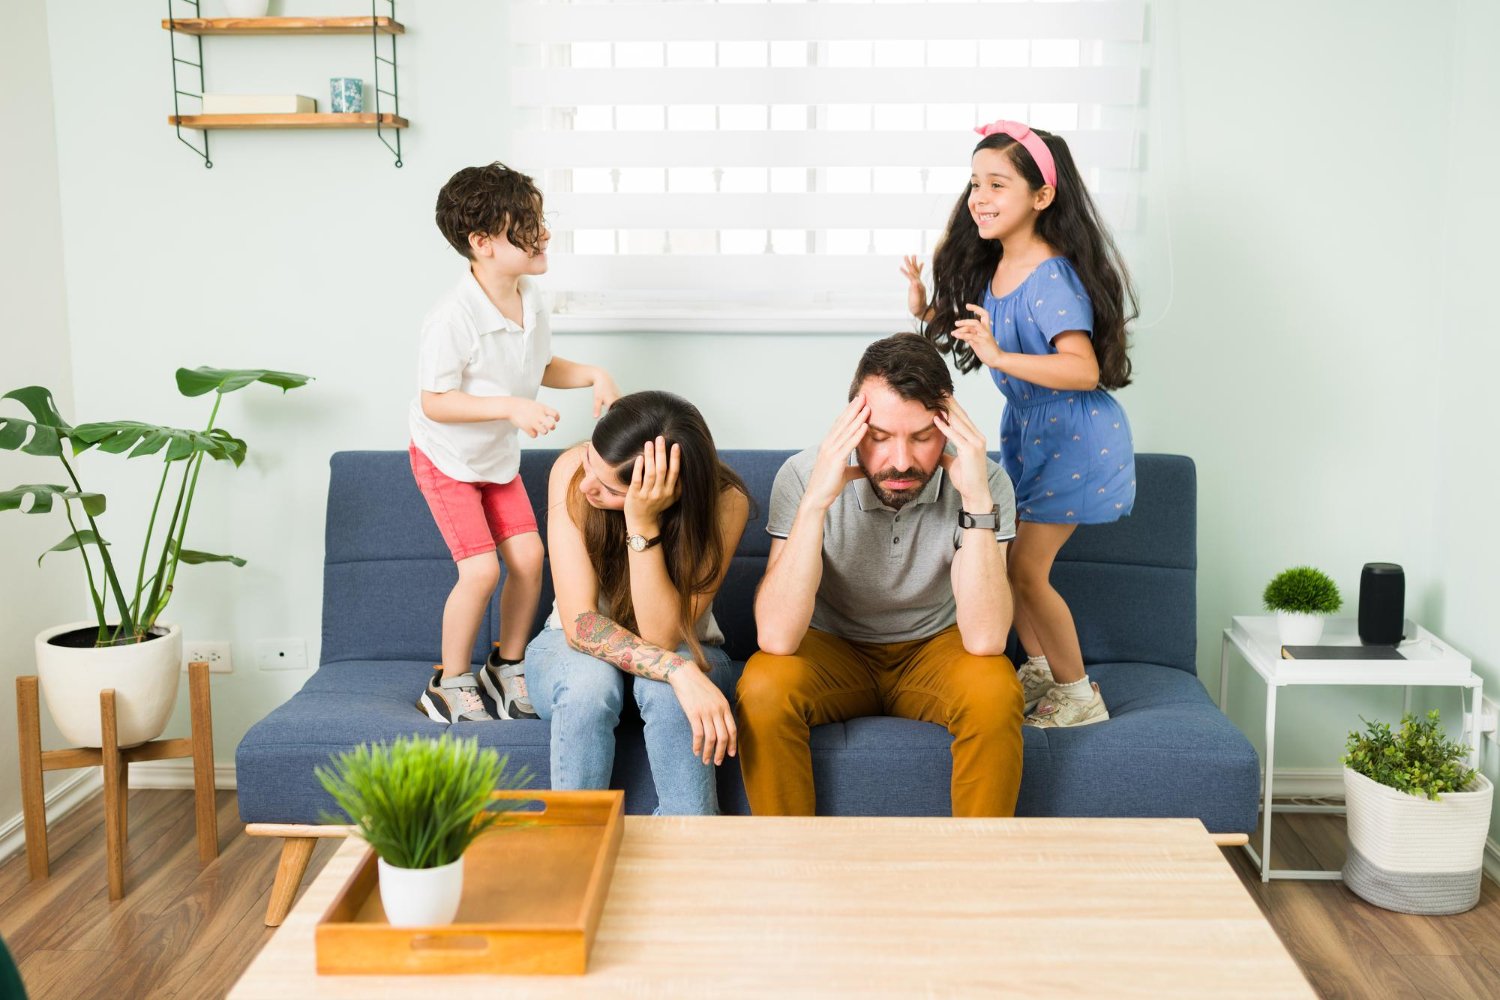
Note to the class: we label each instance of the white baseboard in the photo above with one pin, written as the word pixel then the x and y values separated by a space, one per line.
pixel 1308 782
pixel 1321 782
pixel 62 800
pixel 177 774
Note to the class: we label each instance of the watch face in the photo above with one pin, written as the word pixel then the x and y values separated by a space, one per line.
pixel 637 542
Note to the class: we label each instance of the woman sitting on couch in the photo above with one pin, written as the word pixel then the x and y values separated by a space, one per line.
pixel 652 521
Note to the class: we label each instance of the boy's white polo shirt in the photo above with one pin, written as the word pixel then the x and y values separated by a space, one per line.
pixel 468 345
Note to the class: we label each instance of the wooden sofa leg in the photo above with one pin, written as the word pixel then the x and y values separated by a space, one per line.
pixel 295 854
pixel 297 843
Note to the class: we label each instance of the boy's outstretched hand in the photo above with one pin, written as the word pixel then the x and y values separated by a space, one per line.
pixel 605 392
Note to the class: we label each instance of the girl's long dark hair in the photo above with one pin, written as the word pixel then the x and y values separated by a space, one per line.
pixel 690 537
pixel 964 263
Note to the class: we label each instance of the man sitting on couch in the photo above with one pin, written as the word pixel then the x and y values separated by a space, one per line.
pixel 885 591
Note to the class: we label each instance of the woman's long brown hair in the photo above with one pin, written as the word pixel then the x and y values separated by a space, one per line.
pixel 690 539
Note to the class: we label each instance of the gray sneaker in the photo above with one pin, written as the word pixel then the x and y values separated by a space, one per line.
pixel 453 699
pixel 1057 711
pixel 506 683
pixel 1036 681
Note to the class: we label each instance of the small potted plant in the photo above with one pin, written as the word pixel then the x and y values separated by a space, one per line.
pixel 420 803
pixel 126 646
pixel 1301 597
pixel 1418 817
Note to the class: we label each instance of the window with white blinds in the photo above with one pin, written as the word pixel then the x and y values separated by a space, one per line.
pixel 765 163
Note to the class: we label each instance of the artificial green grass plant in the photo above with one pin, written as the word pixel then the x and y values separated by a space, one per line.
pixel 1304 590
pixel 421 802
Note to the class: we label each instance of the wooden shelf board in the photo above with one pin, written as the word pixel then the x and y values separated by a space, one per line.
pixel 282 25
pixel 306 120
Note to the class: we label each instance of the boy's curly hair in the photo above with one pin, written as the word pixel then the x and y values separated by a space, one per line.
pixel 494 200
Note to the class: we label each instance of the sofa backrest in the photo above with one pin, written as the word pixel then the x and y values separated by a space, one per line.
pixel 1131 585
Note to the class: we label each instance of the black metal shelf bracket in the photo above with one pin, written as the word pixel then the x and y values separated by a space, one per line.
pixel 177 92
pixel 394 93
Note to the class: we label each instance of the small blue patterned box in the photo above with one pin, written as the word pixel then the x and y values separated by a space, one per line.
pixel 346 94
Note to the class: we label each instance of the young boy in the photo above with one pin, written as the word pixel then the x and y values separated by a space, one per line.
pixel 486 348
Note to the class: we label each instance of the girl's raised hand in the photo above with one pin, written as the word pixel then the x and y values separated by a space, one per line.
pixel 916 293
pixel 653 486
pixel 976 332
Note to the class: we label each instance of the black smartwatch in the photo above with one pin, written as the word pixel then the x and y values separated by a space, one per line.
pixel 990 520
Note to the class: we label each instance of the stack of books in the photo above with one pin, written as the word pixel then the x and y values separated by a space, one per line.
pixel 258 104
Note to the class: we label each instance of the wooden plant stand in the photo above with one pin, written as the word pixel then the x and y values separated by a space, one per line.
pixel 116 763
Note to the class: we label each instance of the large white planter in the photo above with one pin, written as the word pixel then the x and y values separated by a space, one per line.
pixel 1298 628
pixel 1414 855
pixel 144 675
pixel 420 897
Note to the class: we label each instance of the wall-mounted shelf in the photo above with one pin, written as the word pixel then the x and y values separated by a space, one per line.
pixel 375 26
pixel 206 122
pixel 283 25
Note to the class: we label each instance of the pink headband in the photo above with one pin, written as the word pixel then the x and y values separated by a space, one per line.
pixel 1034 145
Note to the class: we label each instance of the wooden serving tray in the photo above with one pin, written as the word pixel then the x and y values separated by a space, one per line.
pixel 534 887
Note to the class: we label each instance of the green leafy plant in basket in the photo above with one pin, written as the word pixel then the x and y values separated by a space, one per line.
pixel 1303 590
pixel 1418 759
pixel 181 452
pixel 420 802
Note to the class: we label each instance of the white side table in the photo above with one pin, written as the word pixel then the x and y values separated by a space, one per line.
pixel 1429 662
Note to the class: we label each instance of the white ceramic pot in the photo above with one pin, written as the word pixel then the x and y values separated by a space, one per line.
pixel 1409 853
pixel 420 897
pixel 144 675
pixel 247 8
pixel 1298 628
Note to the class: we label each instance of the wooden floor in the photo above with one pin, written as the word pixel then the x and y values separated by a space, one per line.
pixel 187 931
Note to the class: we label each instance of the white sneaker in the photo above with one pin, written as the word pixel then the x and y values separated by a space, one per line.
pixel 1057 711
pixel 1036 681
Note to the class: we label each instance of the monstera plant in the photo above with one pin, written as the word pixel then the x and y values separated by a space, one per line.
pixel 128 597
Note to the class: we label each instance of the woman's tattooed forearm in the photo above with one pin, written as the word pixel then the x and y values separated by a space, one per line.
pixel 599 636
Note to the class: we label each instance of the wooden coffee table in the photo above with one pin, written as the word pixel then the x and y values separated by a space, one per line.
pixel 782 907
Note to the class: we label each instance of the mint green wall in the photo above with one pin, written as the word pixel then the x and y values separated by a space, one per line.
pixel 1466 538
pixel 1292 264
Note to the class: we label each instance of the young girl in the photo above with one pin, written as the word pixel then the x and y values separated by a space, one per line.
pixel 1027 282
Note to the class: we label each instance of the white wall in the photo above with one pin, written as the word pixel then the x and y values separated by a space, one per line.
pixel 1297 361
pixel 34 344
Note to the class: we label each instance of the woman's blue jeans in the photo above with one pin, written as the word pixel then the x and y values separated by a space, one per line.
pixel 582 696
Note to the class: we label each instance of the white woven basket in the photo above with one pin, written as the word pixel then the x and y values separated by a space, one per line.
pixel 1406 833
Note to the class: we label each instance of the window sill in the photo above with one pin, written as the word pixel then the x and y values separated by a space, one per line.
pixel 730 322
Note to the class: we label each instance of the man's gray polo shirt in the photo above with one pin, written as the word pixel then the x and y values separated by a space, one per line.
pixel 886 573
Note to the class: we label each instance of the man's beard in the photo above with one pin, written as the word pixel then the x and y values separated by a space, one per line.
pixel 896 499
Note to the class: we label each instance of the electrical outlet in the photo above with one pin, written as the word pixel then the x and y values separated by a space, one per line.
pixel 214 652
pixel 281 654
pixel 1489 718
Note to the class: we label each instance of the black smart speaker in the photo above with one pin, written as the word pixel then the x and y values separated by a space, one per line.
pixel 1382 604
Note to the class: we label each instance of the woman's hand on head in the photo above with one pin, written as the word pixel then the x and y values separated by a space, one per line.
pixel 977 333
pixel 654 485
pixel 706 708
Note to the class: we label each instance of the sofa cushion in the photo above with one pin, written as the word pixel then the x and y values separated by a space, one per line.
pixel 1167 751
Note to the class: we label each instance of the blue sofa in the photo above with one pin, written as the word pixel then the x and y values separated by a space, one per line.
pixel 1166 751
